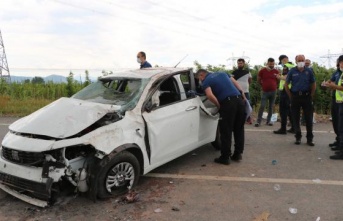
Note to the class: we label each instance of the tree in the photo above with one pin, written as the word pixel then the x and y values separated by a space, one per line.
pixel 87 80
pixel 70 84
pixel 37 80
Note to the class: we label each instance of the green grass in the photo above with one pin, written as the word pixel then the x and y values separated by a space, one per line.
pixel 19 108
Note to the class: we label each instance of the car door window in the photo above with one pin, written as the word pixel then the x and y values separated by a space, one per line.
pixel 169 92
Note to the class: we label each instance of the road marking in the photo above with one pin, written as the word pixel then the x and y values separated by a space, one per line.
pixel 5 124
pixel 315 131
pixel 245 179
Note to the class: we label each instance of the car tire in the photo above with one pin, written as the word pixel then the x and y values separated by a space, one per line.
pixel 217 142
pixel 113 177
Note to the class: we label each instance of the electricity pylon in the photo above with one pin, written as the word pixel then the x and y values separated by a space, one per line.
pixel 4 70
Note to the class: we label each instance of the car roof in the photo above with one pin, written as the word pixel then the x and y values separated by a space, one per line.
pixel 144 73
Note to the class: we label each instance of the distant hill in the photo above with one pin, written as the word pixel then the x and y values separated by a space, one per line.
pixel 55 78
pixel 51 78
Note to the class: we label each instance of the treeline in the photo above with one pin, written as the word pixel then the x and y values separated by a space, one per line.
pixel 38 89
pixel 21 99
pixel 322 98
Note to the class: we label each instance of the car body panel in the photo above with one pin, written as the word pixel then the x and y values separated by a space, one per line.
pixel 172 130
pixel 52 119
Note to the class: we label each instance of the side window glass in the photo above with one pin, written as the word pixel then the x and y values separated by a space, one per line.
pixel 187 84
pixel 168 92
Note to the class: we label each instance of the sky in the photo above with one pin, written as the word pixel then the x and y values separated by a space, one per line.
pixel 42 37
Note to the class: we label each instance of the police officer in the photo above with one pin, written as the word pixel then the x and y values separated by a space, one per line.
pixel 301 95
pixel 338 87
pixel 224 91
pixel 284 105
pixel 334 106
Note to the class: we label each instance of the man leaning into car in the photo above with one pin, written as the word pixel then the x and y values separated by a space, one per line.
pixel 224 91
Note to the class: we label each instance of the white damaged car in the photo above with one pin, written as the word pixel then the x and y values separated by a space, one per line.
pixel 104 137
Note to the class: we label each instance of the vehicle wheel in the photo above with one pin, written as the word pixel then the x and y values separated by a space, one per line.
pixel 217 143
pixel 119 175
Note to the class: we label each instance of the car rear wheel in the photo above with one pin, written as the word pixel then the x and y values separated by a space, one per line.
pixel 119 175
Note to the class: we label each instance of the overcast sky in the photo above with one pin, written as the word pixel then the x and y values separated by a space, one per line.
pixel 107 34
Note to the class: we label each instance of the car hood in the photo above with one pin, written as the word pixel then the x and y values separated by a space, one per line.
pixel 62 118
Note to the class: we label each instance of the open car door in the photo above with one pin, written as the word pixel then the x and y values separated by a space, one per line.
pixel 176 124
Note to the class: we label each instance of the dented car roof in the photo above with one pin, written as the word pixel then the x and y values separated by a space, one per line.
pixel 145 72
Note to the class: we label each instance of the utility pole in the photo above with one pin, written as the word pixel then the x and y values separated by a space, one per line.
pixel 234 59
pixel 4 70
pixel 329 57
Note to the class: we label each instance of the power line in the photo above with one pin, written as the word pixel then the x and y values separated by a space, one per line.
pixel 329 57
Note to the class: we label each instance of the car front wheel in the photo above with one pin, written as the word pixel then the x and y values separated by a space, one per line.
pixel 119 175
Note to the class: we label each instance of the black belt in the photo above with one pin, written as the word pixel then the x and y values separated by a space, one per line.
pixel 301 93
pixel 232 98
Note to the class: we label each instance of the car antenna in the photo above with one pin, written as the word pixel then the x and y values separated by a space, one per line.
pixel 180 61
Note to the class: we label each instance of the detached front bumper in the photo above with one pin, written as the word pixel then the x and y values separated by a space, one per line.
pixel 27 183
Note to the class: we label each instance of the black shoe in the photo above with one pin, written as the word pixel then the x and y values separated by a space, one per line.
pixel 310 143
pixel 269 124
pixel 257 124
pixel 337 157
pixel 222 161
pixel 297 141
pixel 236 157
pixel 336 148
pixel 334 144
pixel 280 131
pixel 291 130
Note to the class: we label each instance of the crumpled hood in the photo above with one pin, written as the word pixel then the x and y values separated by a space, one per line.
pixel 62 118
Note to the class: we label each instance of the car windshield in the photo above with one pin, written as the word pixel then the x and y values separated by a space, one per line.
pixel 123 92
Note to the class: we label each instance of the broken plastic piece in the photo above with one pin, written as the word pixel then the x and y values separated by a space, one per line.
pixel 277 187
pixel 158 210
pixel 293 210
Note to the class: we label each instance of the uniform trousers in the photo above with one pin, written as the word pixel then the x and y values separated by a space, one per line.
pixel 302 101
pixel 334 116
pixel 232 120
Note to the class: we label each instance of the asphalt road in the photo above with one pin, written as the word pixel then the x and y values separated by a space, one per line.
pixel 192 187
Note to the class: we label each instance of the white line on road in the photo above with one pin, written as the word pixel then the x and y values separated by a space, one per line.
pixel 245 179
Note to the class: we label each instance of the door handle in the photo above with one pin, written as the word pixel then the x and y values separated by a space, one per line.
pixel 191 108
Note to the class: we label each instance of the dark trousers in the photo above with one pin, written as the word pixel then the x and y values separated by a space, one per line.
pixel 334 116
pixel 285 109
pixel 340 124
pixel 232 114
pixel 303 102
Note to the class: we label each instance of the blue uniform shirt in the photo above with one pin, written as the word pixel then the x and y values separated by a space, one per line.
pixel 146 65
pixel 301 81
pixel 221 85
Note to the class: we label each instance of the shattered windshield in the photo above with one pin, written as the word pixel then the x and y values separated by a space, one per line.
pixel 123 92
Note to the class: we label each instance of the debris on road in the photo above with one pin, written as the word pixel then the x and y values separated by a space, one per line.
pixel 274 162
pixel 263 217
pixel 277 187
pixel 293 210
pixel 158 210
pixel 130 197
pixel 175 208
